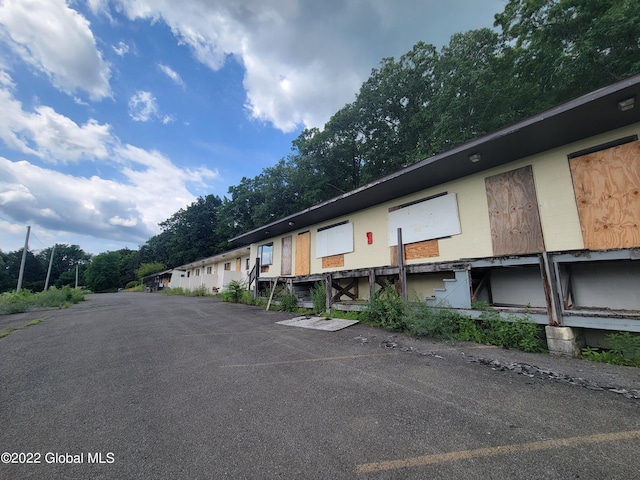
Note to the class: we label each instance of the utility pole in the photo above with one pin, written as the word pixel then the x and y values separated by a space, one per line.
pixel 24 259
pixel 76 276
pixel 46 282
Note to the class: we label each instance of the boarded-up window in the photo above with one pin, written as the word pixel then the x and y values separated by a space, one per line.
pixel 607 189
pixel 412 251
pixel 303 253
pixel 285 262
pixel 334 240
pixel 513 213
pixel 333 261
pixel 425 220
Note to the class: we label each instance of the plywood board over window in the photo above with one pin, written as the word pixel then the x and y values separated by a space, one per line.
pixel 435 217
pixel 413 251
pixel 513 213
pixel 303 253
pixel 285 264
pixel 333 261
pixel 334 240
pixel 607 189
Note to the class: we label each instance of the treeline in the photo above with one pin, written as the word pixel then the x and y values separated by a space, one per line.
pixel 104 272
pixel 542 53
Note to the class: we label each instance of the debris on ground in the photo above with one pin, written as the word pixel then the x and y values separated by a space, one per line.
pixel 534 371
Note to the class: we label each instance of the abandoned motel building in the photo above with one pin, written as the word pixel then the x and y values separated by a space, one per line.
pixel 540 217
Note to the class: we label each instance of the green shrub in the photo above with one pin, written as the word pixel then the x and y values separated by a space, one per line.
pixel 625 350
pixel 514 331
pixel 175 291
pixel 233 292
pixel 200 291
pixel 385 309
pixel 24 300
pixel 319 297
pixel 287 299
pixel 132 284
pixel 432 322
pixel 16 302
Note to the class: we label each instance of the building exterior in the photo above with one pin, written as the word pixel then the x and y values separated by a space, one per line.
pixel 213 273
pixel 157 281
pixel 541 216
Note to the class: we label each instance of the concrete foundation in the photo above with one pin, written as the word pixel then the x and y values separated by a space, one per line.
pixel 565 341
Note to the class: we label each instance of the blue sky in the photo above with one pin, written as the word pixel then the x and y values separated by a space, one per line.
pixel 117 113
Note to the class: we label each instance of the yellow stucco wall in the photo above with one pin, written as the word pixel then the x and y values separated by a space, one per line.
pixel 556 203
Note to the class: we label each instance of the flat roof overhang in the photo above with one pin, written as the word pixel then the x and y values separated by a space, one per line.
pixel 229 254
pixel 591 114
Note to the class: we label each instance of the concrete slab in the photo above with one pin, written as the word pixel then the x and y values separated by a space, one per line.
pixel 319 323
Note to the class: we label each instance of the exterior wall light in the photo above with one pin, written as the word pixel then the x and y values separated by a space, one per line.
pixel 627 104
pixel 475 157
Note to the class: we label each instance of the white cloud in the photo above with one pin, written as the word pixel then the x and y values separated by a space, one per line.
pixel 128 210
pixel 123 211
pixel 122 49
pixel 305 59
pixel 172 74
pixel 143 107
pixel 49 135
pixel 58 41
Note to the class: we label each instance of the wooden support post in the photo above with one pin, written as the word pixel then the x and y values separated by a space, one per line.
pixel 273 289
pixel 328 292
pixel 256 277
pixel 550 284
pixel 402 269
pixel 372 283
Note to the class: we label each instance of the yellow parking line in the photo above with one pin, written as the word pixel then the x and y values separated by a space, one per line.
pixel 305 360
pixel 494 451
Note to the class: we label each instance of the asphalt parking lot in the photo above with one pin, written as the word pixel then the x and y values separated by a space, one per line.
pixel 150 386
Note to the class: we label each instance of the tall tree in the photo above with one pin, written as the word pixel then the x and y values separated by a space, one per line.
pixel 393 108
pixel 188 234
pixel 103 273
pixel 565 48
pixel 474 92
pixel 34 272
pixel 65 259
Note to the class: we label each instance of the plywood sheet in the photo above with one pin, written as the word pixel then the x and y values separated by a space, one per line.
pixel 607 189
pixel 303 253
pixel 333 261
pixel 285 262
pixel 513 213
pixel 426 220
pixel 334 240
pixel 319 323
pixel 412 251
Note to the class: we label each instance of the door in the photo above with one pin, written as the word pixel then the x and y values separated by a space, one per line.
pixel 303 253
pixel 285 263
pixel 513 213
